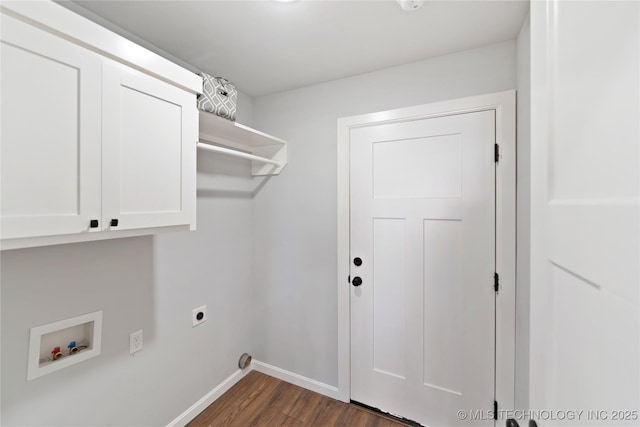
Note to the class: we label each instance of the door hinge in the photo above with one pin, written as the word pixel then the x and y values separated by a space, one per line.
pixel 496 282
pixel 495 409
pixel 496 152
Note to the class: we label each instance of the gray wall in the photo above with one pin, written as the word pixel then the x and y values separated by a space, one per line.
pixel 263 260
pixel 150 283
pixel 524 221
pixel 295 296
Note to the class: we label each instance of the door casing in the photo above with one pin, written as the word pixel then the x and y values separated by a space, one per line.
pixel 504 105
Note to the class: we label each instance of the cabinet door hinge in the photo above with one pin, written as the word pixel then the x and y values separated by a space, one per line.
pixel 349 279
pixel 496 282
pixel 496 153
pixel 495 409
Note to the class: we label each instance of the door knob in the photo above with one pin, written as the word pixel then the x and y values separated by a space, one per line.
pixel 356 281
pixel 357 261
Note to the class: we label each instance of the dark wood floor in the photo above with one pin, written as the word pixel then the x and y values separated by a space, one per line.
pixel 260 400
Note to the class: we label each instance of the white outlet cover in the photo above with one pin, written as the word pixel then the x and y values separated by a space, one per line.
pixel 135 341
pixel 194 315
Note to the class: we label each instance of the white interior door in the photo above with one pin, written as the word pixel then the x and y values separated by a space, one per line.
pixel 585 256
pixel 422 300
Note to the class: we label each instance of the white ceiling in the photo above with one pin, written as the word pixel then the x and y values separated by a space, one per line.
pixel 266 46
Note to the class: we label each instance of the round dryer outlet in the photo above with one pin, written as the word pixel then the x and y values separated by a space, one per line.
pixel 245 361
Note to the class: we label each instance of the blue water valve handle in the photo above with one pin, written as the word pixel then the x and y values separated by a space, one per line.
pixel 73 348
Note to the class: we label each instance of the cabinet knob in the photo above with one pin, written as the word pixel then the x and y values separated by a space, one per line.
pixel 357 261
pixel 94 223
pixel 114 222
pixel 356 281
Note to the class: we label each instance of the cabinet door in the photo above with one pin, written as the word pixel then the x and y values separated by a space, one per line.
pixel 149 151
pixel 50 133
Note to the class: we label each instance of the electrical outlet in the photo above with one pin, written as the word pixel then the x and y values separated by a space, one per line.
pixel 199 315
pixel 135 341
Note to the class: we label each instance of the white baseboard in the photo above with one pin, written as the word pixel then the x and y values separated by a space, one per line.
pixel 281 374
pixel 188 415
pixel 295 379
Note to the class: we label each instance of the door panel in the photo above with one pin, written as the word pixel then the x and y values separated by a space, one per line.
pixel 431 168
pixel 423 221
pixel 51 92
pixel 443 291
pixel 389 288
pixel 585 209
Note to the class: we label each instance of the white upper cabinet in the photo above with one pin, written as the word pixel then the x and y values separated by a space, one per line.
pixel 149 132
pixel 98 135
pixel 50 146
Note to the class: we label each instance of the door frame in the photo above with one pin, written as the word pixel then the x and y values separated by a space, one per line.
pixel 504 105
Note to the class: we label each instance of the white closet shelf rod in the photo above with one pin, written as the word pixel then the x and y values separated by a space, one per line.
pixel 235 153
